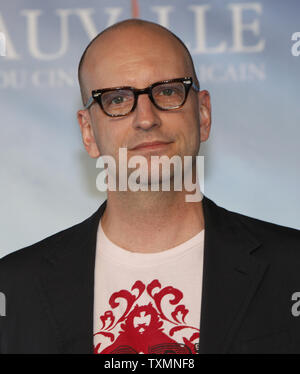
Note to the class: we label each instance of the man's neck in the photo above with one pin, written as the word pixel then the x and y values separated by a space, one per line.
pixel 149 222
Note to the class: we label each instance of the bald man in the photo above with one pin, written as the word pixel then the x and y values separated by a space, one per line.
pixel 151 271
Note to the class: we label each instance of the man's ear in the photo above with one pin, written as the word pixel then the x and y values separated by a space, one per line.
pixel 205 114
pixel 87 133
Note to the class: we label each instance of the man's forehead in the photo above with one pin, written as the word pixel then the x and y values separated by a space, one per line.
pixel 127 45
pixel 129 34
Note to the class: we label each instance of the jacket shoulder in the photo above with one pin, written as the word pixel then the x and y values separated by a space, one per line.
pixel 58 242
pixel 278 243
pixel 265 229
pixel 257 226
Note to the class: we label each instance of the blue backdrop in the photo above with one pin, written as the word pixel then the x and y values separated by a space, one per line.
pixel 243 55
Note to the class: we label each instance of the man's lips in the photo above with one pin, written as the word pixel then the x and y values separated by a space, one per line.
pixel 150 145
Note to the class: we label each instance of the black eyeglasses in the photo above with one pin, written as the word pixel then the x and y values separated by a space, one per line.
pixel 165 95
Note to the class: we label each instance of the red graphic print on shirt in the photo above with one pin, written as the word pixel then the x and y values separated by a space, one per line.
pixel 156 327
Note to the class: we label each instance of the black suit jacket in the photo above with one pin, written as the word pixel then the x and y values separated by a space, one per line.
pixel 251 271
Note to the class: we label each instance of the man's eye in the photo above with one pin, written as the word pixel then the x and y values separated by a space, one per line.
pixel 117 100
pixel 167 92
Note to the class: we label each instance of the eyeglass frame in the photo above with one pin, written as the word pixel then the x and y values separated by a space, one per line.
pixel 96 94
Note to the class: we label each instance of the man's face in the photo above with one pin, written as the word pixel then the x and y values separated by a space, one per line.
pixel 137 58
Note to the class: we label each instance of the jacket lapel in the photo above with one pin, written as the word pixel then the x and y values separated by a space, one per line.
pixel 67 286
pixel 231 276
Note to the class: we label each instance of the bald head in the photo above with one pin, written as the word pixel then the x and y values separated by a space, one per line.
pixel 125 35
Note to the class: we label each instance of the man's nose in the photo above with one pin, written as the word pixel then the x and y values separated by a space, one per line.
pixel 145 114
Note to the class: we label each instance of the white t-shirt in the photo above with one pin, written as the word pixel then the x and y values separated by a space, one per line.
pixel 147 302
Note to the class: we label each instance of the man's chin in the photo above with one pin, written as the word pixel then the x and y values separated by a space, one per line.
pixel 152 182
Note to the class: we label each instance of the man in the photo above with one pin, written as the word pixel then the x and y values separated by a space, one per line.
pixel 151 272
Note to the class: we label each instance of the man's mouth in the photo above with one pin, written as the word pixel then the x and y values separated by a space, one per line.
pixel 150 145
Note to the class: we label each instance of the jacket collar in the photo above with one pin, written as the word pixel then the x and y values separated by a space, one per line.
pixel 230 278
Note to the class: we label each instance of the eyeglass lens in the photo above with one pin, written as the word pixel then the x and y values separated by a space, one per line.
pixel 165 95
